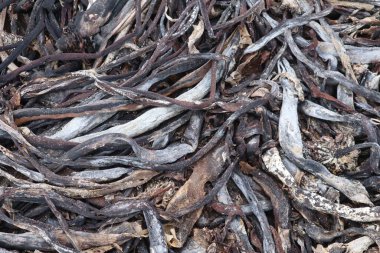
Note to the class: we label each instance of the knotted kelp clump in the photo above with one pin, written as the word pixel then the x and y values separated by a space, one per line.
pixel 189 126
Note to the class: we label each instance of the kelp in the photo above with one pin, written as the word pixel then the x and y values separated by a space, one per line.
pixel 189 126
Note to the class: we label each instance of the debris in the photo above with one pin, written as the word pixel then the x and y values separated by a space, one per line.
pixel 189 126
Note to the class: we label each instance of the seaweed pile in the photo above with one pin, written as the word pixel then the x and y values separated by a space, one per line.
pixel 190 126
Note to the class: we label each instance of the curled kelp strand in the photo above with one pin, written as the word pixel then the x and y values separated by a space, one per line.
pixel 274 165
pixel 317 111
pixel 241 182
pixel 289 131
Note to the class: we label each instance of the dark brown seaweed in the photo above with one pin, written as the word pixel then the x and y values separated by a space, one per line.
pixel 189 126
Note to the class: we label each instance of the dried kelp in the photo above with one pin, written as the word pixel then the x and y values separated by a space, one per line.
pixel 189 126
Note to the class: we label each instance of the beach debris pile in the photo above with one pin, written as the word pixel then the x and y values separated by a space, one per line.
pixel 189 126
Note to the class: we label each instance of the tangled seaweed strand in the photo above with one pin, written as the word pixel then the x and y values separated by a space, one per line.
pixel 189 126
